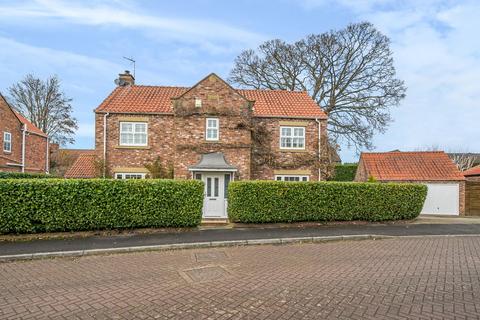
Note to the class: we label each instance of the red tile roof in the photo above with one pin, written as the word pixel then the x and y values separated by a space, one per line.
pixel 30 127
pixel 410 166
pixel 475 171
pixel 83 167
pixel 157 99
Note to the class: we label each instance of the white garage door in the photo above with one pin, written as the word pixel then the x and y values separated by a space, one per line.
pixel 442 198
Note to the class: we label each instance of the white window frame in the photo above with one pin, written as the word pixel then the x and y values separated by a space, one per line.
pixel 7 141
pixel 125 175
pixel 198 103
pixel 216 128
pixel 282 177
pixel 134 126
pixel 292 137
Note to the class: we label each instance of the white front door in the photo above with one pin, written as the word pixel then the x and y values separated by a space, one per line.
pixel 214 196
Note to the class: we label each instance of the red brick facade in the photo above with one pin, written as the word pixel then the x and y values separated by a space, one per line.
pixel 178 138
pixel 35 143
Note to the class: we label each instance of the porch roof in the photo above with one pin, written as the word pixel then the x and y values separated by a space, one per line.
pixel 212 162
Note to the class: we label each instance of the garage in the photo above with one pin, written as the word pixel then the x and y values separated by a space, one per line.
pixel 442 198
pixel 445 183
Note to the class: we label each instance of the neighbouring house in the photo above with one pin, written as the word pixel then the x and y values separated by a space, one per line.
pixel 61 160
pixel 472 174
pixel 24 146
pixel 209 131
pixel 446 184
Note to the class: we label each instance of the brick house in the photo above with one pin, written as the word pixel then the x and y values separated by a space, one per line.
pixel 472 174
pixel 211 132
pixel 446 184
pixel 24 146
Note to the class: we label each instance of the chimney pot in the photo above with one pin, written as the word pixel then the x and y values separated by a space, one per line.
pixel 126 79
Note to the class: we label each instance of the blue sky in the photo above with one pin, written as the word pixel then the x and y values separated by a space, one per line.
pixel 436 50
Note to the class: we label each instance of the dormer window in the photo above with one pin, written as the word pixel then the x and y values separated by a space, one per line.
pixel 198 103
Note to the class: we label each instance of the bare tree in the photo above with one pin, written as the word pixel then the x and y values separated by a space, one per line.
pixel 46 106
pixel 348 72
pixel 464 161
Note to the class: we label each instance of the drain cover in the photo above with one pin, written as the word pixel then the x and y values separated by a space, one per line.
pixel 203 274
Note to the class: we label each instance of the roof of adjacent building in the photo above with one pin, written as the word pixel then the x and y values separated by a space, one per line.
pixel 157 99
pixel 30 127
pixel 83 167
pixel 410 166
pixel 475 171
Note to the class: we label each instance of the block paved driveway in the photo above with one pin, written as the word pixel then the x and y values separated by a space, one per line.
pixel 414 278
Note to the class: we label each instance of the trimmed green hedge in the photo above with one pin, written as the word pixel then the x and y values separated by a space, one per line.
pixel 272 201
pixel 47 205
pixel 345 172
pixel 25 175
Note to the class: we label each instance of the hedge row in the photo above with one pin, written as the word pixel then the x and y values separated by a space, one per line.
pixel 47 205
pixel 271 201
pixel 25 175
pixel 345 172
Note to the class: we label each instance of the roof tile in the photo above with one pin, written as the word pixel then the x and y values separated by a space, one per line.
pixel 157 99
pixel 411 166
pixel 83 167
pixel 475 171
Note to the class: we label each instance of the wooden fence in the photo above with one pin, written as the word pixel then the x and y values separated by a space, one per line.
pixel 472 198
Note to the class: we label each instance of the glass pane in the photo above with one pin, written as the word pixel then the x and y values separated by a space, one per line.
pixel 304 179
pixel 212 123
pixel 119 176
pixel 216 186
pixel 227 182
pixel 286 131
pixel 198 176
pixel 301 142
pixel 140 127
pixel 209 187
pixel 298 132
pixel 279 178
pixel 126 127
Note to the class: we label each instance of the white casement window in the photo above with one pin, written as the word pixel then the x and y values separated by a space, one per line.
pixel 7 142
pixel 130 175
pixel 212 129
pixel 291 178
pixel 133 133
pixel 292 138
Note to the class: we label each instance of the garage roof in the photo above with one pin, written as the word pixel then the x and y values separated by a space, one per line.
pixel 410 166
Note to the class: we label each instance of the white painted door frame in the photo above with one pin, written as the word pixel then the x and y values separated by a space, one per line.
pixel 215 200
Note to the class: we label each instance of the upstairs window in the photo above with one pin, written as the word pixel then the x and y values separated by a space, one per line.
pixel 292 138
pixel 7 142
pixel 133 134
pixel 212 129
pixel 198 103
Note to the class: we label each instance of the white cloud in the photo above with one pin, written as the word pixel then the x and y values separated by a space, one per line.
pixel 212 36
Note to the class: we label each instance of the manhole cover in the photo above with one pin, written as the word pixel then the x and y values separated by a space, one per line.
pixel 210 256
pixel 202 274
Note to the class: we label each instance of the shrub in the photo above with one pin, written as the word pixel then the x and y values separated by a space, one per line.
pixel 91 204
pixel 271 201
pixel 24 175
pixel 344 172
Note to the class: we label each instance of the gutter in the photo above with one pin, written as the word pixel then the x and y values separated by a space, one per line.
pixel 319 148
pixel 105 143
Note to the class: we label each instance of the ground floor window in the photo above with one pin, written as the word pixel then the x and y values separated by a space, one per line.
pixel 291 178
pixel 129 175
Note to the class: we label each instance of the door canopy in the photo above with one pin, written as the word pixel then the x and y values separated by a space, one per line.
pixel 212 162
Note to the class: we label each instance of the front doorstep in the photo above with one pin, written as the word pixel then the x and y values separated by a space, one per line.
pixel 214 222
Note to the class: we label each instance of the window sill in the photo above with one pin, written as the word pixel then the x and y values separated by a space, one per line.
pixel 292 150
pixel 7 152
pixel 132 147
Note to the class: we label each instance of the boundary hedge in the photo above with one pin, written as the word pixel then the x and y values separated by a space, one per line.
pixel 344 172
pixel 25 175
pixel 48 205
pixel 272 201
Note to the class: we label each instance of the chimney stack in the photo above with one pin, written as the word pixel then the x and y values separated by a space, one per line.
pixel 125 79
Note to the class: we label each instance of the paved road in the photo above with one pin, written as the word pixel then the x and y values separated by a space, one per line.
pixel 402 278
pixel 117 241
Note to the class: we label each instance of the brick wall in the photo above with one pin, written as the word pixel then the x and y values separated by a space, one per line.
pixel 180 138
pixel 35 153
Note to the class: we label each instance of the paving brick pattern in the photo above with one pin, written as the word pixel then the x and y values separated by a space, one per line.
pixel 409 278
